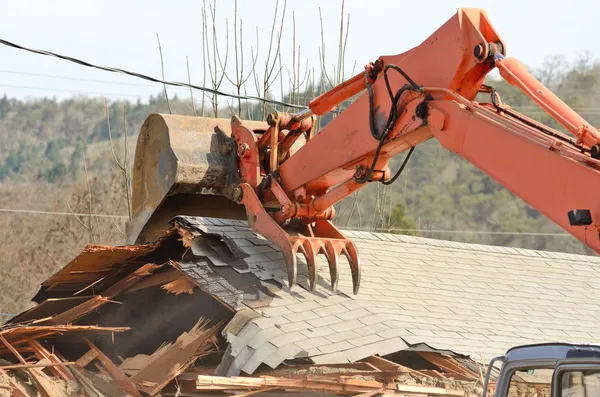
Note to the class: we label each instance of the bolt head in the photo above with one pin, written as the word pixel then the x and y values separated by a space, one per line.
pixel 359 172
pixel 238 194
pixel 243 149
pixel 479 51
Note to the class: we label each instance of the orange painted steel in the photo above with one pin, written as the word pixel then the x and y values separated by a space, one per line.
pixel 429 93
pixel 328 101
pixel 515 73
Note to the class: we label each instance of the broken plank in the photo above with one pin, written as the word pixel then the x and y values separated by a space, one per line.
pixel 448 364
pixel 156 279
pixel 385 365
pixel 78 311
pixel 119 377
pixel 87 358
pixel 180 286
pixel 37 376
pixel 48 308
pixel 130 280
pixel 312 383
pixel 42 353
pixel 431 391
pixel 171 360
pixel 37 365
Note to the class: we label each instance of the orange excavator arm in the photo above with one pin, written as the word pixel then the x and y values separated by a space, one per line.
pixel 427 92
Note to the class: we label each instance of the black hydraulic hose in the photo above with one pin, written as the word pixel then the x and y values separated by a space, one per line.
pixel 391 120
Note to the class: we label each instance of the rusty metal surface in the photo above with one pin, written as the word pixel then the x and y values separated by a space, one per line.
pixel 183 165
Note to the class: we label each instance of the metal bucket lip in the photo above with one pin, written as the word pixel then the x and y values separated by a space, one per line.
pixel 180 154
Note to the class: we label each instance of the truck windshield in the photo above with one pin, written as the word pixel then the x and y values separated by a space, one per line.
pixel 533 382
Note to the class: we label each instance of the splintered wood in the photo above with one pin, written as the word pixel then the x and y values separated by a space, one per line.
pixel 172 359
pixel 127 321
pixel 339 384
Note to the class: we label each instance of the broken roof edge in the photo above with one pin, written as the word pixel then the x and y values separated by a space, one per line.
pixel 408 239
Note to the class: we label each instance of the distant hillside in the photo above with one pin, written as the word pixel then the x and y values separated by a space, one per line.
pixel 41 168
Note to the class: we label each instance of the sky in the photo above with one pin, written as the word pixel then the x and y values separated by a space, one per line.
pixel 122 33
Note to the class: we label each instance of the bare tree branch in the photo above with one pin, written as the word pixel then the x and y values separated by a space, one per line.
pixel 162 67
pixel 190 82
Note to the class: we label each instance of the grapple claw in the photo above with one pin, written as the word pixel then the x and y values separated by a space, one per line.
pixel 352 255
pixel 333 260
pixel 310 254
pixel 291 264
pixel 311 240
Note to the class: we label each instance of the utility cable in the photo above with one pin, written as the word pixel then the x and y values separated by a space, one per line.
pixel 36 212
pixel 149 78
pixel 60 213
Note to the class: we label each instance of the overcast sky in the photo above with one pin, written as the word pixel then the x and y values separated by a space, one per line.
pixel 122 33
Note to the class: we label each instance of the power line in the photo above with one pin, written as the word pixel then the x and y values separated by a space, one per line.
pixel 148 78
pixel 515 233
pixel 38 212
pixel 54 76
pixel 71 91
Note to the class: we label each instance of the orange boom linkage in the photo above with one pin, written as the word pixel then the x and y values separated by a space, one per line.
pixel 428 91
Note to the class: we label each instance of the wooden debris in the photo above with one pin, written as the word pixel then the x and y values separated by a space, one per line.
pixel 450 366
pixel 340 384
pixel 119 377
pixel 180 286
pixel 37 376
pixel 172 359
pixel 156 279
pixel 37 331
pixel 37 365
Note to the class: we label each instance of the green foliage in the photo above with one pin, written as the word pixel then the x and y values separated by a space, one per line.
pixel 44 141
pixel 401 223
pixel 16 160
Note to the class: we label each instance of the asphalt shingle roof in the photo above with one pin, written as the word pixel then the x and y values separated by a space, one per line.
pixel 472 299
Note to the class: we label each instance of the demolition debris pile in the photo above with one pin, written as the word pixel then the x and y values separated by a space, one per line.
pixel 183 316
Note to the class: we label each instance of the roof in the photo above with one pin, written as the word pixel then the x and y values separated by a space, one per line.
pixel 552 351
pixel 415 292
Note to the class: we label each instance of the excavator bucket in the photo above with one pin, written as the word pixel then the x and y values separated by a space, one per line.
pixel 183 165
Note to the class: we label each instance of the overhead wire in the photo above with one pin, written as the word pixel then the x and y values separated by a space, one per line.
pixel 514 233
pixel 149 78
pixel 57 213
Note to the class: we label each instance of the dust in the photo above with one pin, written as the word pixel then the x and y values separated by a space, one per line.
pixel 469 389
pixel 5 387
pixel 313 370
pixel 60 388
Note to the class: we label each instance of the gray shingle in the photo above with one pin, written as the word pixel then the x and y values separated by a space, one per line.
pixel 312 342
pixel 304 306
pixel 324 321
pixel 352 314
pixel 342 336
pixel 264 336
pixel 469 298
pixel 316 332
pixel 285 353
pixel 335 347
pixel 287 338
pixel 258 357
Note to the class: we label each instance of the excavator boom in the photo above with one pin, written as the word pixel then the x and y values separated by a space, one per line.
pixel 286 187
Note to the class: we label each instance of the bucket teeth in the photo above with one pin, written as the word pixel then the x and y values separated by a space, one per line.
pixel 333 258
pixel 310 253
pixel 323 238
pixel 352 255
pixel 310 247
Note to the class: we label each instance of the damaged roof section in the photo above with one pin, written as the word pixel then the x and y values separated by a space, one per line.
pixel 415 293
pixel 212 296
